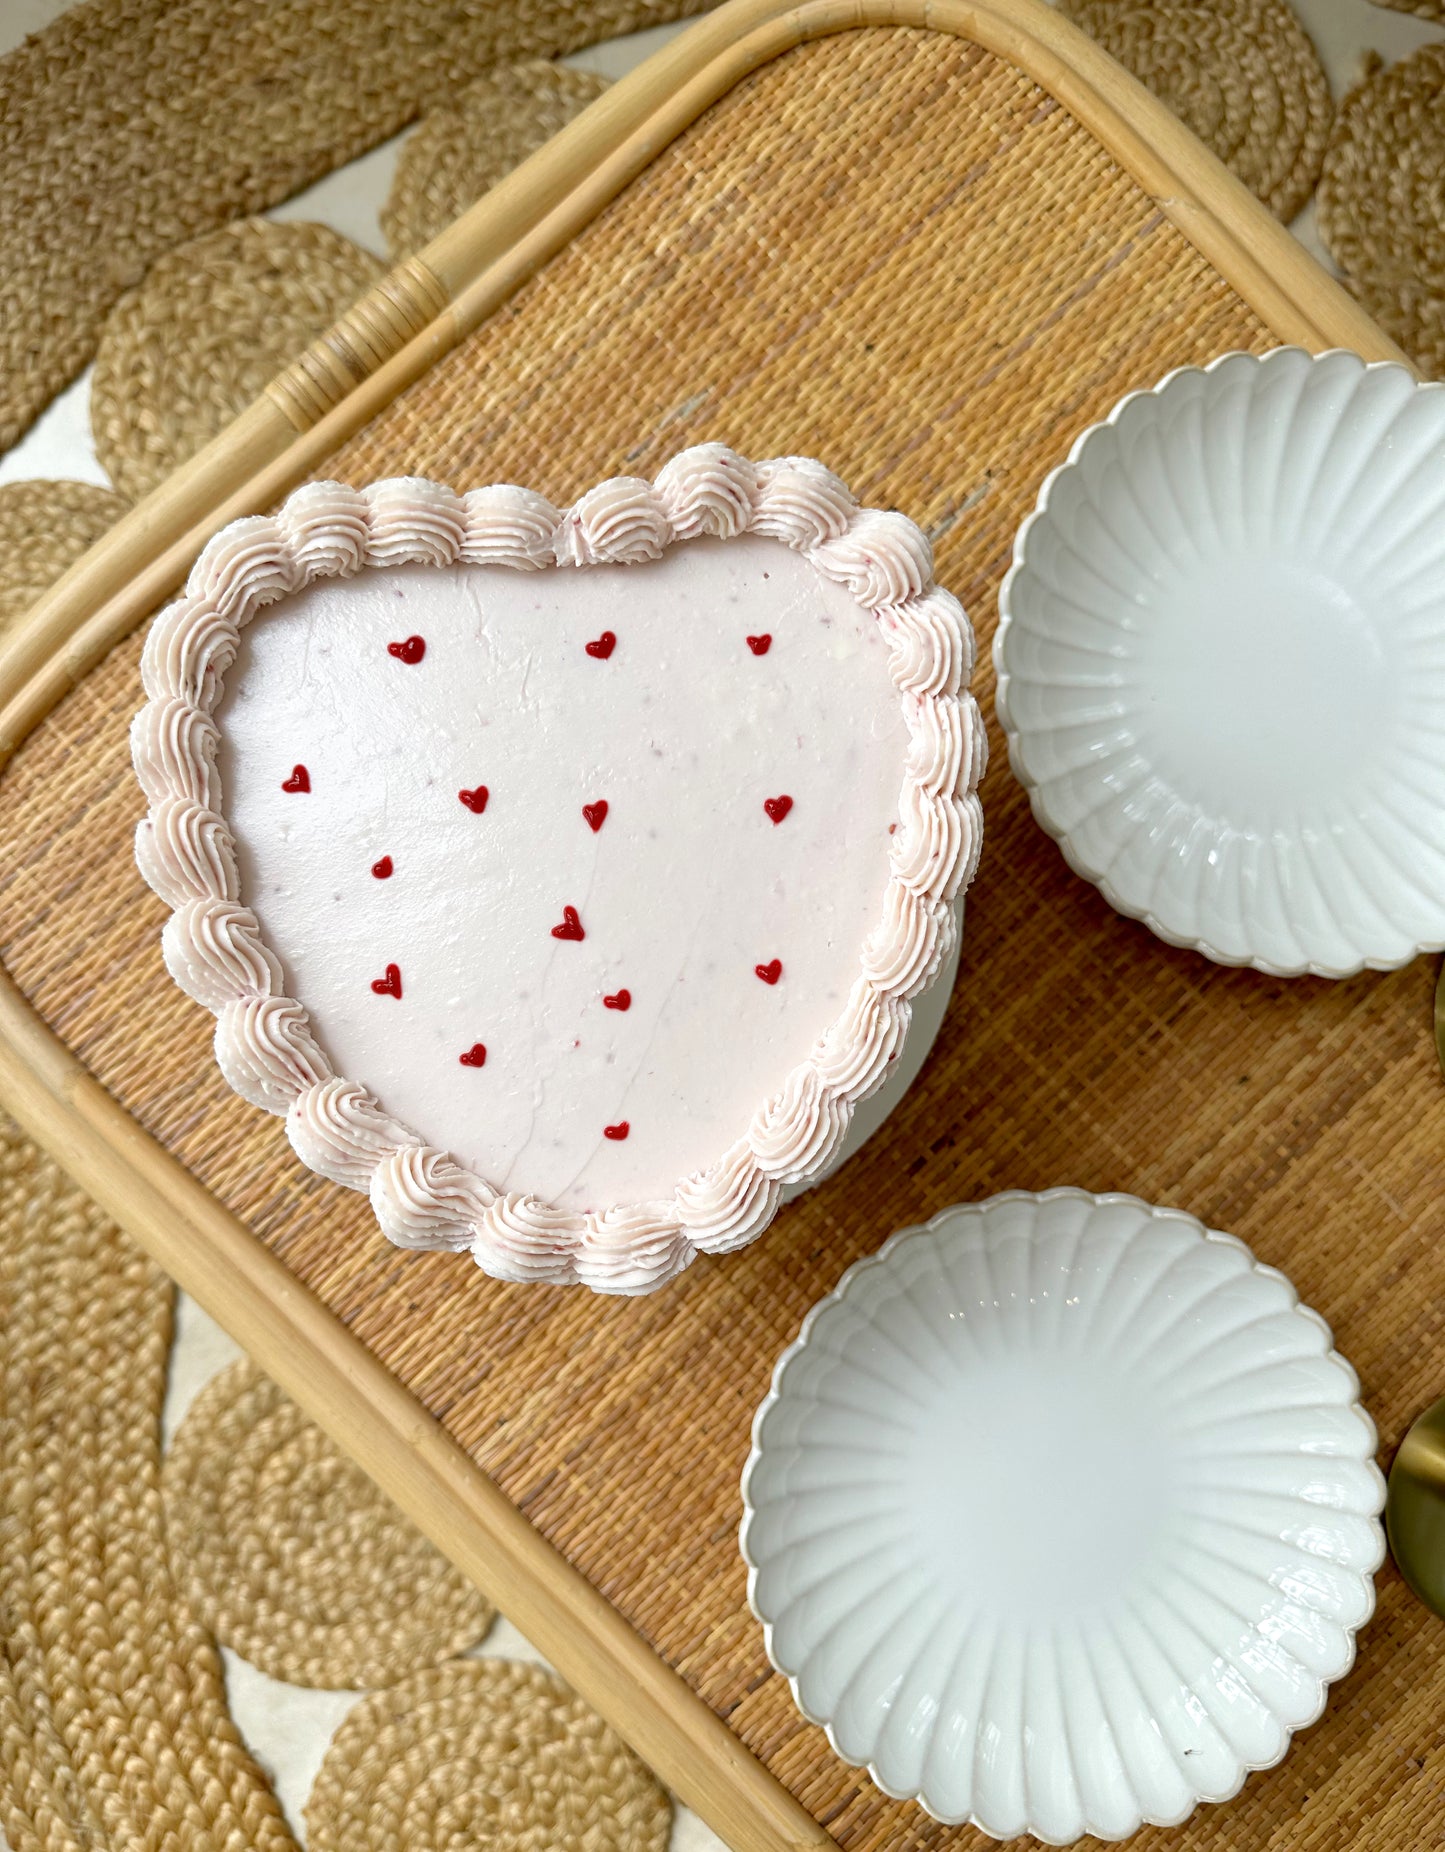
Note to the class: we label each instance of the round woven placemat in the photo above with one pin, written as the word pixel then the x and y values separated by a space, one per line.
pixel 1381 200
pixel 205 333
pixel 293 1557
pixel 130 126
pixel 45 527
pixel 114 1731
pixel 482 1753
pixel 458 152
pixel 1241 73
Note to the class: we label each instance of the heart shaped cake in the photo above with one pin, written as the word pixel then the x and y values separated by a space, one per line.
pixel 563 878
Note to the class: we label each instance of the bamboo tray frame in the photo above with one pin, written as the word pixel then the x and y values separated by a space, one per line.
pixel 414 317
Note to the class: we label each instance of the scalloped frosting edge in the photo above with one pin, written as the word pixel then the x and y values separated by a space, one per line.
pixel 215 947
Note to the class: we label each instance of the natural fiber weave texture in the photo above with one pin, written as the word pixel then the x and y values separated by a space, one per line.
pixel 1426 9
pixel 482 1753
pixel 45 527
pixel 458 152
pixel 212 324
pixel 830 262
pixel 129 126
pixel 1382 200
pixel 114 1732
pixel 292 1557
pixel 1241 73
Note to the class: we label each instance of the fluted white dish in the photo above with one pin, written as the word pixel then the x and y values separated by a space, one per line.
pixel 1061 1515
pixel 1221 661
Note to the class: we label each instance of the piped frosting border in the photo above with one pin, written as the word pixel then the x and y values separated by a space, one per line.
pixel 215 949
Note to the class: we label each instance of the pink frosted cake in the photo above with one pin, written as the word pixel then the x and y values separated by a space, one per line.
pixel 563 878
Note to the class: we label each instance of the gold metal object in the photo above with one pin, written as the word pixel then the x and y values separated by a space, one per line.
pixel 1415 1506
pixel 1440 1015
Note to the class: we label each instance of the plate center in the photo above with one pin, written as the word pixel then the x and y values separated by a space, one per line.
pixel 1266 685
pixel 1043 1484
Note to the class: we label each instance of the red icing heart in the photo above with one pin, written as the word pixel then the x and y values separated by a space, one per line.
pixel 770 972
pixel 571 927
pixel 621 1000
pixel 596 814
pixel 383 869
pixel 476 1055
pixel 760 645
pixel 390 985
pixel 603 647
pixel 475 800
pixel 616 1131
pixel 411 651
pixel 300 779
pixel 777 807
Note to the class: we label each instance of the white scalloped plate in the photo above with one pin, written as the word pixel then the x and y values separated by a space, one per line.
pixel 1221 661
pixel 374 790
pixel 1061 1514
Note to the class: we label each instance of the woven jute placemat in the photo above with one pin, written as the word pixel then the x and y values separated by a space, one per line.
pixel 45 527
pixel 1245 77
pixel 292 1557
pixel 1241 73
pixel 113 1723
pixel 1381 199
pixel 482 1754
pixel 114 1731
pixel 213 322
pixel 130 126
pixel 459 151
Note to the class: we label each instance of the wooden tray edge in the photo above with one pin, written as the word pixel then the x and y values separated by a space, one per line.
pixel 421 310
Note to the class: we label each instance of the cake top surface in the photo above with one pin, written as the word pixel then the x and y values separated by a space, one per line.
pixel 567 912
pixel 632 787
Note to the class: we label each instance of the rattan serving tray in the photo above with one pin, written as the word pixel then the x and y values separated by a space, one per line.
pixel 927 242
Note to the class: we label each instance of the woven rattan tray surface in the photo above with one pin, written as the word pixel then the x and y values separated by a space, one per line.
pixel 890 248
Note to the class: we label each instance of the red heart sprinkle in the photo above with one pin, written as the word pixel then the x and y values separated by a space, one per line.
pixel 411 651
pixel 390 985
pixel 619 1130
pixel 476 1055
pixel 571 927
pixel 777 807
pixel 383 869
pixel 620 1000
pixel 596 814
pixel 300 779
pixel 770 972
pixel 603 647
pixel 475 800
pixel 760 645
